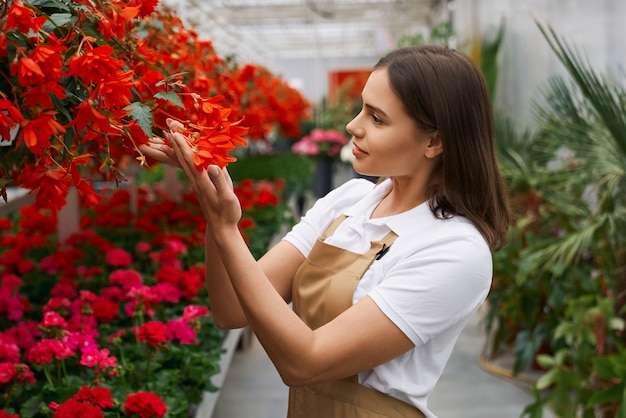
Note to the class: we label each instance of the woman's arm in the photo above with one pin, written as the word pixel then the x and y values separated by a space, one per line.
pixel 279 265
pixel 358 339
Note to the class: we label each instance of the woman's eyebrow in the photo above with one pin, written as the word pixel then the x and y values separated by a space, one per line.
pixel 375 109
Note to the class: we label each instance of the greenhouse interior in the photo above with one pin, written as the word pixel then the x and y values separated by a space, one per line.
pixel 170 170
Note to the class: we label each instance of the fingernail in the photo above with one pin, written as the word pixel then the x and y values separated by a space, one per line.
pixel 213 170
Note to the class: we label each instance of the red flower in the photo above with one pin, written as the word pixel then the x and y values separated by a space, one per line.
pixel 45 350
pixel 4 414
pixel 7 372
pixel 153 333
pixel 145 404
pixel 105 310
pixel 73 408
pixel 10 118
pixel 98 396
pixel 36 133
pixel 15 372
pixel 51 185
pixel 24 19
pixel 95 65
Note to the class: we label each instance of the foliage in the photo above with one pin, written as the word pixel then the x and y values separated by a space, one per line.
pixel 118 310
pixel 265 212
pixel 83 83
pixel 441 34
pixel 558 295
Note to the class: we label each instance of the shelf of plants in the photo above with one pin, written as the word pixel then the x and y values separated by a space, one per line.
pixel 115 320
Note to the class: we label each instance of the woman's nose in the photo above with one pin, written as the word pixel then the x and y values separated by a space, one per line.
pixel 353 127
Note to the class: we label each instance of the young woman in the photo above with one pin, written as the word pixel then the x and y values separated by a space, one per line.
pixel 383 277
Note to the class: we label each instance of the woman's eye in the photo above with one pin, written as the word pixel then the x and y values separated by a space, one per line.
pixel 375 119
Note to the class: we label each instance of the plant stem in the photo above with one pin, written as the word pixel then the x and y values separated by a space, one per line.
pixel 47 373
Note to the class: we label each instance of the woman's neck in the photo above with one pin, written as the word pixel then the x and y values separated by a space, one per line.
pixel 403 196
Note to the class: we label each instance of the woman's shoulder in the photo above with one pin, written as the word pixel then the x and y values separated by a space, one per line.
pixel 346 194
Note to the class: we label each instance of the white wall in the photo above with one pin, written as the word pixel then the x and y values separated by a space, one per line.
pixel 596 28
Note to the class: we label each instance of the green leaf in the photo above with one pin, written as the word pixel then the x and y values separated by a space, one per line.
pixel 545 361
pixel 61 19
pixel 547 379
pixel 171 97
pixel 616 393
pixel 143 115
pixel 32 406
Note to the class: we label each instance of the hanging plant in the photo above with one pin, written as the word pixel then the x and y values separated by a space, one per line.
pixel 84 83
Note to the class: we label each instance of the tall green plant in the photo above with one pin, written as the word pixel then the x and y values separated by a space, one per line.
pixel 559 293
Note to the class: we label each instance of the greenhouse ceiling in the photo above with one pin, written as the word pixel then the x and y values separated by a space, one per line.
pixel 266 31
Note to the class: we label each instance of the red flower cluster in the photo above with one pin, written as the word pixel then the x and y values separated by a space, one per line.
pixel 145 404
pixel 76 323
pixel 85 83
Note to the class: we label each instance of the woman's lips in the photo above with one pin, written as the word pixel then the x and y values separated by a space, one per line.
pixel 357 152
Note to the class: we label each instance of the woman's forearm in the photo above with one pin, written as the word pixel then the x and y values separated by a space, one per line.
pixel 284 336
pixel 225 307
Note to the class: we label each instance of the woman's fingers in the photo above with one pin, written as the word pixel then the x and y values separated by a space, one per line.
pixel 157 149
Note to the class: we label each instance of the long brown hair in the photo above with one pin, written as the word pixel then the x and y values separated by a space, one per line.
pixel 443 89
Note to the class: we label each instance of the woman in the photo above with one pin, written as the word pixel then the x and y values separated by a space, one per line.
pixel 383 277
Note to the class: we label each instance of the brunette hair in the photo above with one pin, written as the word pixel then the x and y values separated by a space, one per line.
pixel 442 89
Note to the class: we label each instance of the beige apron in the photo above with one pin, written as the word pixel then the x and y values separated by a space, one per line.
pixel 323 288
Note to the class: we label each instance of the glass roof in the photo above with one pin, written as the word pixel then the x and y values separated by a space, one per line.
pixel 265 31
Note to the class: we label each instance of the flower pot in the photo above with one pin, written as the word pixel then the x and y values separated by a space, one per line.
pixel 323 176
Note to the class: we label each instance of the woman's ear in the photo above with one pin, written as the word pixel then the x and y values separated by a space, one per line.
pixel 435 146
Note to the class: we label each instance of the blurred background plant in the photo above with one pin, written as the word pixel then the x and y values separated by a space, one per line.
pixel 560 284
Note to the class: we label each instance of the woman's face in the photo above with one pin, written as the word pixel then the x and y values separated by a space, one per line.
pixel 386 141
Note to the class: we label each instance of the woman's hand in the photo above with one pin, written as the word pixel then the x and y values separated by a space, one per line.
pixel 213 187
pixel 159 150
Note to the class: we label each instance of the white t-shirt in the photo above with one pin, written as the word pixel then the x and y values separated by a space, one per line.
pixel 431 281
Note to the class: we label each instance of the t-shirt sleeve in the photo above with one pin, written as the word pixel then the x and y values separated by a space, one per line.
pixel 304 234
pixel 436 287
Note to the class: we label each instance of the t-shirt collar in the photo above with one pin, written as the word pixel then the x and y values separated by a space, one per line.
pixel 402 223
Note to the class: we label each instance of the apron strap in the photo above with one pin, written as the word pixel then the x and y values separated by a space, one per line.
pixel 332 227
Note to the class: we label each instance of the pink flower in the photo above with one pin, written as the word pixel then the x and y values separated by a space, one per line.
pixel 321 142
pixel 167 292
pixel 127 279
pixel 118 258
pixel 142 299
pixel 305 147
pixel 23 334
pixel 176 246
pixel 52 319
pixel 9 351
pixel 116 338
pixel 82 340
pixel 98 359
pixel 181 331
pixel 10 300
pixel 193 312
